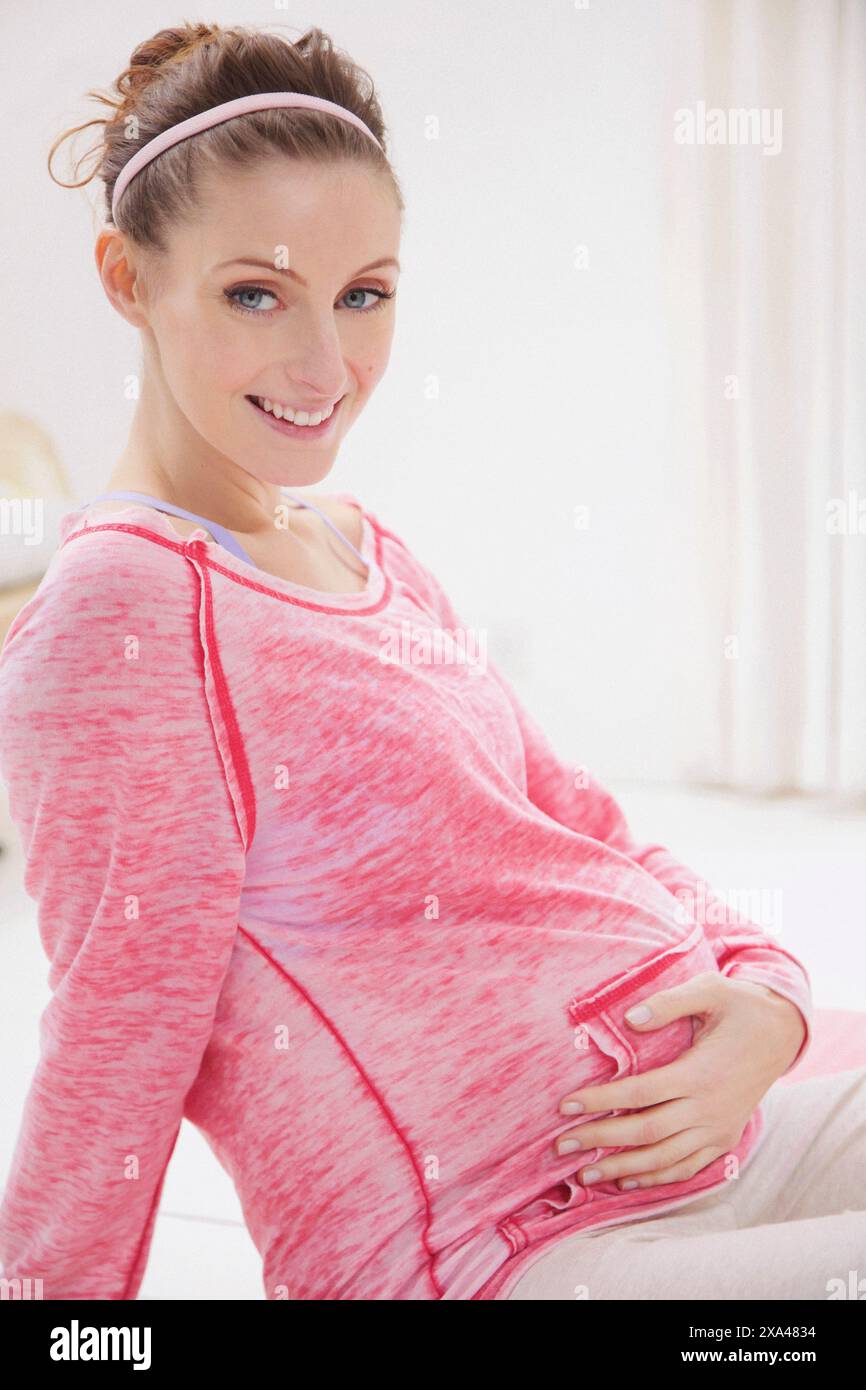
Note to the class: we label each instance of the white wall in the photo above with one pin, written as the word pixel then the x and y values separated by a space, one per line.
pixel 549 120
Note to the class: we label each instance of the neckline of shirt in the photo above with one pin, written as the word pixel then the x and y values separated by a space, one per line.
pixel 373 596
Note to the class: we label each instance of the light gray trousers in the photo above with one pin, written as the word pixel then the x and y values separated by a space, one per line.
pixel 792 1225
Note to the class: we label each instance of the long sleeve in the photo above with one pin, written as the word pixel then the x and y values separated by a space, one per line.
pixel 134 856
pixel 576 799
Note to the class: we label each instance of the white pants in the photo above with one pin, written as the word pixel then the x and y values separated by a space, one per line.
pixel 792 1225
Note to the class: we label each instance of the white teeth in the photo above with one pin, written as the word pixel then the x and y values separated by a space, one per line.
pixel 300 417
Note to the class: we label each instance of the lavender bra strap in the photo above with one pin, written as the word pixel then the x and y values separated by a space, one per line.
pixel 225 538
pixel 302 502
pixel 220 533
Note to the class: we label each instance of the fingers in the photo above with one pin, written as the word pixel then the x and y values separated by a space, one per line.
pixel 677 1158
pixel 670 1082
pixel 644 1127
pixel 677 1172
pixel 701 994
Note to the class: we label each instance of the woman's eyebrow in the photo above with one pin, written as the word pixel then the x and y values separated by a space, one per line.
pixel 293 274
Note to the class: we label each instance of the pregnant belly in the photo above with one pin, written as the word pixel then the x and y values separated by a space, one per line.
pixel 611 1050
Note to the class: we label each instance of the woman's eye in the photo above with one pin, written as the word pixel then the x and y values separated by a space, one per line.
pixel 248 292
pixel 379 298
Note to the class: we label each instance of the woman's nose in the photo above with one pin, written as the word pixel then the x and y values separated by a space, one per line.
pixel 314 355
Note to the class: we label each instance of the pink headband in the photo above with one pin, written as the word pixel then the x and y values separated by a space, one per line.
pixel 257 101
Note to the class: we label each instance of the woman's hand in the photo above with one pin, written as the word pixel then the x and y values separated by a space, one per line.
pixel 689 1112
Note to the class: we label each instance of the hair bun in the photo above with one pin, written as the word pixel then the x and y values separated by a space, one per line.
pixel 150 58
pixel 161 47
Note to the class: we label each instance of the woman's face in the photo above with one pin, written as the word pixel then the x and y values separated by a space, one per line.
pixel 309 326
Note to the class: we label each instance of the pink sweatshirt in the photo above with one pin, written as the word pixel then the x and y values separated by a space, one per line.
pixel 349 915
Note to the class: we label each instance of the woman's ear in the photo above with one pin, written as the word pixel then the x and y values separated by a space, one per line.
pixel 121 280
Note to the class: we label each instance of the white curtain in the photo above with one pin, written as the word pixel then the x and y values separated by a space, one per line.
pixel 765 220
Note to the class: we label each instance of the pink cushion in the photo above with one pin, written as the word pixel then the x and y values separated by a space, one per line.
pixel 838 1044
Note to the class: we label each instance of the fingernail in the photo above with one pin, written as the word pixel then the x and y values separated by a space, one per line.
pixel 630 1182
pixel 568 1146
pixel 590 1174
pixel 639 1014
pixel 572 1107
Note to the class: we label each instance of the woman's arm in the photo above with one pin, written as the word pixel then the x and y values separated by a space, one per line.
pixel 576 799
pixel 135 859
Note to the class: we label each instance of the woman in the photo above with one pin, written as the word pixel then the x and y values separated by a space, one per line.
pixel 307 873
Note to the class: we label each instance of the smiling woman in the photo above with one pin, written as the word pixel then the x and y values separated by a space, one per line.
pixel 328 897
pixel 246 147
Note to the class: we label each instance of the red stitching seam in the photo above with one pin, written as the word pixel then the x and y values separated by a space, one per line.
pixel 236 743
pixel 332 1028
pixel 383 531
pixel 299 602
pixel 182 548
pixel 178 546
pixel 579 1009
pixel 236 746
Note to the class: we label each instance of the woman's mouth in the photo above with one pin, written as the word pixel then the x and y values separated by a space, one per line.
pixel 287 427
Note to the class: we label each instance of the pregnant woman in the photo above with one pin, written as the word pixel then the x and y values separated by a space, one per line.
pixel 307 872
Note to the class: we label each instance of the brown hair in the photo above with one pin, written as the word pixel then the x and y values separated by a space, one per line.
pixel 180 72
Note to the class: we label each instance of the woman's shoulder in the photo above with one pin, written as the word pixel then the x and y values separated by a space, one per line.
pixel 102 513
pixel 118 517
pixel 101 579
pixel 123 558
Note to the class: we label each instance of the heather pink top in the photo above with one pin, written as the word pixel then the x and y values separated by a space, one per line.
pixel 352 917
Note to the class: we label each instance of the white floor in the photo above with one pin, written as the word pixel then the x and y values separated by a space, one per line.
pixel 805 860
